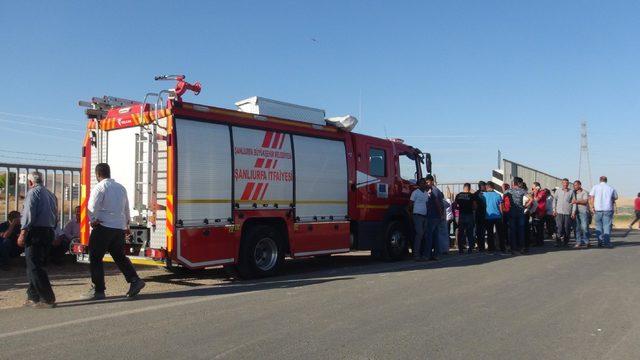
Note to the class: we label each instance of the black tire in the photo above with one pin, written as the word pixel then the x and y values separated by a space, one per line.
pixel 395 242
pixel 261 252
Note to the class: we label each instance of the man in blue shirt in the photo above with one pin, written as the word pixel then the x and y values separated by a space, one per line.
pixel 493 217
pixel 39 218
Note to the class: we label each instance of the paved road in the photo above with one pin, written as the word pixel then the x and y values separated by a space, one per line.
pixel 568 304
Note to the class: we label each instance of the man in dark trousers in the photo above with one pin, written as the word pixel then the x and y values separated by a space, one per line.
pixel 109 213
pixel 481 213
pixel 466 205
pixel 36 236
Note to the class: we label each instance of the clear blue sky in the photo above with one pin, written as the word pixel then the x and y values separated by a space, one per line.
pixel 460 79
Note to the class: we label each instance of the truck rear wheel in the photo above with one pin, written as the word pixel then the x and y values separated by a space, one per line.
pixel 396 241
pixel 261 252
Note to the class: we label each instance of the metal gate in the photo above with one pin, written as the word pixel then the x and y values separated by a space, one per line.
pixel 64 182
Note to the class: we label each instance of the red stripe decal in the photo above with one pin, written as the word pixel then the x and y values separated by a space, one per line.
pixel 259 162
pixel 268 164
pixel 276 140
pixel 256 193
pixel 264 191
pixel 267 139
pixel 281 142
pixel 247 191
pixel 274 163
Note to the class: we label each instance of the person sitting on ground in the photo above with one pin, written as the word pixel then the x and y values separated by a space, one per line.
pixel 9 232
pixel 636 206
pixel 71 231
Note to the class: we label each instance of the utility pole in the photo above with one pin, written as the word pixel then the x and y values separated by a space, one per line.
pixel 584 168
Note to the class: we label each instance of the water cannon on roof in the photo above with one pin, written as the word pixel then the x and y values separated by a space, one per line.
pixel 181 86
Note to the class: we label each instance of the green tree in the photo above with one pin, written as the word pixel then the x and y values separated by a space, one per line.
pixel 3 179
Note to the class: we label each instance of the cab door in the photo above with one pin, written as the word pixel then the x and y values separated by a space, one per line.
pixel 373 178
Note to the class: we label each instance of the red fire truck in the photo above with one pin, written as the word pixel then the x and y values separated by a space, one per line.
pixel 210 186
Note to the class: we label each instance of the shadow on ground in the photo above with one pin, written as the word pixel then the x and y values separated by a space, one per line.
pixel 304 272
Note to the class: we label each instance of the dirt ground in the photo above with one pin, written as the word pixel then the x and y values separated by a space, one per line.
pixel 70 280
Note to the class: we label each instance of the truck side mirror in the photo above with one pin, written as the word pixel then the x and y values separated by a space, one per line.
pixel 427 162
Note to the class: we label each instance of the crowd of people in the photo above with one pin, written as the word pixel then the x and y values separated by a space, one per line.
pixel 510 221
pixel 485 221
pixel 35 233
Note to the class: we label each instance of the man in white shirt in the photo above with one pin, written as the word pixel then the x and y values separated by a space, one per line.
pixel 109 214
pixel 419 209
pixel 602 200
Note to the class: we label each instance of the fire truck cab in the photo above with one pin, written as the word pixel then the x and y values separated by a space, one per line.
pixel 209 186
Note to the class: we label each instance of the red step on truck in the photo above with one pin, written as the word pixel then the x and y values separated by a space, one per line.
pixel 210 186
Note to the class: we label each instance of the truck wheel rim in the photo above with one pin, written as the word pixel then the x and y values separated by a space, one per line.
pixel 396 240
pixel 266 254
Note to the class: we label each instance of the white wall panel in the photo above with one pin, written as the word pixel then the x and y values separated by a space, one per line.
pixel 321 178
pixel 204 179
pixel 121 156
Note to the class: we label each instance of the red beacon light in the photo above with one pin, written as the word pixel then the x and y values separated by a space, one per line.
pixel 182 86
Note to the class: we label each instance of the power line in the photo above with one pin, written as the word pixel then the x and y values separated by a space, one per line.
pixel 40 125
pixel 41 160
pixel 40 154
pixel 40 118
pixel 34 133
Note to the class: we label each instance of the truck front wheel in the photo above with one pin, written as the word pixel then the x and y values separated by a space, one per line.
pixel 396 241
pixel 261 252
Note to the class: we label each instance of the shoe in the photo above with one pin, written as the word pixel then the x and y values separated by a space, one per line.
pixel 135 287
pixel 577 246
pixel 92 294
pixel 525 251
pixel 433 258
pixel 45 305
pixel 30 303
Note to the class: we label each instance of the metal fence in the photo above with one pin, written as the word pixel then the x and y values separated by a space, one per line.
pixel 64 182
pixel 452 188
pixel 512 169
